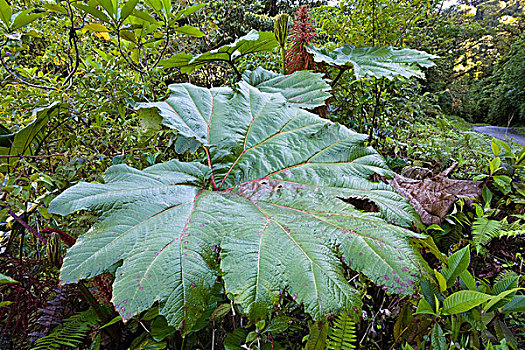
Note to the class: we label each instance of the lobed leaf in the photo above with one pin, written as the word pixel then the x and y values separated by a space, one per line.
pixel 291 201
pixel 378 62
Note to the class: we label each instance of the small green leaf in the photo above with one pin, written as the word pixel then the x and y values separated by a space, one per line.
pixel 423 307
pixel 495 148
pixel 160 329
pixel 221 311
pixel 55 8
pixel 92 11
pixel 463 300
pixel 113 321
pixel 251 337
pixel 5 13
pixel 494 165
pixel 441 281
pixel 108 6
pixel 469 281
pixel 6 279
pixel 235 339
pixel 95 27
pixel 23 18
pixel 278 325
pixel 457 263
pixel 127 9
pixel 188 11
pixel 189 30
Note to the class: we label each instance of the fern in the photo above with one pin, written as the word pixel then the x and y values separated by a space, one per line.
pixel 342 334
pixel 485 230
pixel 71 333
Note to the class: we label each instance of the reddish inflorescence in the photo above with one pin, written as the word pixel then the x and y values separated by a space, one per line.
pixel 302 34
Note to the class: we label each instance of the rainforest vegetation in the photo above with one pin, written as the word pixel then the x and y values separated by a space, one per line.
pixel 266 174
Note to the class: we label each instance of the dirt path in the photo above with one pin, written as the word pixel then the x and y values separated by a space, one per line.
pixel 501 133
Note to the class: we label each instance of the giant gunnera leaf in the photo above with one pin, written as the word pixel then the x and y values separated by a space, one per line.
pixel 378 62
pixel 283 203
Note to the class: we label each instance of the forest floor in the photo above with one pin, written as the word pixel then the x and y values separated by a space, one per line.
pixel 502 133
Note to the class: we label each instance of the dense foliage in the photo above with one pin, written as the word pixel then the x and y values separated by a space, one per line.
pixel 225 174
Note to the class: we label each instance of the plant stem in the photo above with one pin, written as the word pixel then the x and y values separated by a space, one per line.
pixel 26 225
pixel 209 165
pixel 99 310
pixel 283 58
pixel 237 73
pixel 339 75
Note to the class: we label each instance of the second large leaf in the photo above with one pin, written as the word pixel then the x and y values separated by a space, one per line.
pixel 282 204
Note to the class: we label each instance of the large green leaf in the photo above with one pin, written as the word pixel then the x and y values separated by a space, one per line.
pixel 378 62
pixel 252 42
pixel 279 204
pixel 302 88
pixel 25 141
pixel 463 300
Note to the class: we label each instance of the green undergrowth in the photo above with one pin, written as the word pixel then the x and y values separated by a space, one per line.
pixel 436 144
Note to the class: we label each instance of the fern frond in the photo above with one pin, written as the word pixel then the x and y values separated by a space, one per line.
pixel 341 335
pixel 510 230
pixel 483 231
pixel 70 333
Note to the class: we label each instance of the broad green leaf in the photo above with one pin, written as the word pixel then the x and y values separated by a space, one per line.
pixel 378 62
pixel 517 304
pixel 289 202
pixel 24 142
pixel 23 18
pixel 156 5
pixel 463 300
pixel 457 263
pixel 5 13
pixel 252 42
pixel 189 30
pixel 302 88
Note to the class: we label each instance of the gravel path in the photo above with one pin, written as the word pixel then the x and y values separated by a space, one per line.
pixel 501 133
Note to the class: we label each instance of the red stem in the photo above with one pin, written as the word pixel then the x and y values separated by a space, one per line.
pixel 234 163
pixel 209 165
pixel 26 225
